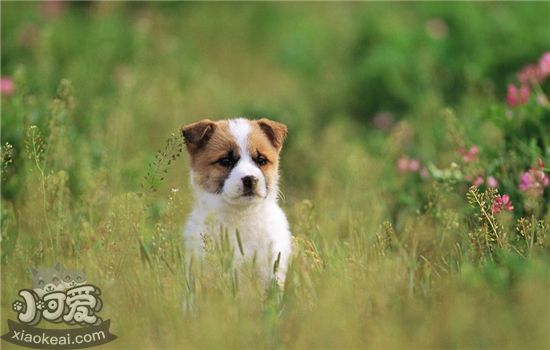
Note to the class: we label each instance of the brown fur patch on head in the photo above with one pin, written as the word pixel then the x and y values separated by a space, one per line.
pixel 276 132
pixel 267 144
pixel 205 154
pixel 196 135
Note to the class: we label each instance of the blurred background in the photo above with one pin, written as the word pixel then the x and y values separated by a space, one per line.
pixel 141 70
pixel 394 110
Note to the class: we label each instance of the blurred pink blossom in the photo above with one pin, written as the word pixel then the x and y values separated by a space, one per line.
pixel 517 96
pixel 529 74
pixel 478 181
pixel 492 182
pixel 544 65
pixel 405 164
pixel 535 180
pixel 469 155
pixel 7 87
pixel 414 165
pixel 383 120
pixel 502 203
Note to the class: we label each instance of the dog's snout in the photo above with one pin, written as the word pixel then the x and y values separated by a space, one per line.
pixel 249 182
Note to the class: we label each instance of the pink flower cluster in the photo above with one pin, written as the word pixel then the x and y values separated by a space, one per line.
pixel 516 97
pixel 535 180
pixel 490 181
pixel 7 87
pixel 405 164
pixel 535 73
pixel 528 76
pixel 502 203
pixel 469 155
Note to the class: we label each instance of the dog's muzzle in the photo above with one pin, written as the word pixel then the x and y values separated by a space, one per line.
pixel 249 185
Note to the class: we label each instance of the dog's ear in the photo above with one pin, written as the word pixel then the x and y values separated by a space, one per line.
pixel 196 135
pixel 276 132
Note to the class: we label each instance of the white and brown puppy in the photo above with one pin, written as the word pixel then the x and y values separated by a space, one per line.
pixel 235 176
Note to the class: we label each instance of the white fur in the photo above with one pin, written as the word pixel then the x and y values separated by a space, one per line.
pixel 261 223
pixel 233 186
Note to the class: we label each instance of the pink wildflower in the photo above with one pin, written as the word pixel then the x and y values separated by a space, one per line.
pixel 535 180
pixel 478 181
pixel 469 155
pixel 414 165
pixel 524 94
pixel 7 87
pixel 517 96
pixel 403 164
pixel 529 74
pixel 492 182
pixel 544 65
pixel 502 203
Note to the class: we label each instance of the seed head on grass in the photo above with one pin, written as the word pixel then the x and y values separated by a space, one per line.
pixel 532 231
pixel 488 233
pixel 34 146
pixel 6 158
pixel 158 168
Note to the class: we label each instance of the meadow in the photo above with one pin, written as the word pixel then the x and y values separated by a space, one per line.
pixel 415 174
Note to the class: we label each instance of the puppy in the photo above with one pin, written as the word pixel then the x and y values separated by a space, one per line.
pixel 235 176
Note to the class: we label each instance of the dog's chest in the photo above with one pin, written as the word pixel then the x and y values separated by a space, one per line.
pixel 254 229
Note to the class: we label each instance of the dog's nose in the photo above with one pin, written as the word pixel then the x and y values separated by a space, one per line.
pixel 249 182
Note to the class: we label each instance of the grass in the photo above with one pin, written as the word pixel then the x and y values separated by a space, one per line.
pixel 94 177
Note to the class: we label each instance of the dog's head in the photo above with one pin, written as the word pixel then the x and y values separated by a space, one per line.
pixel 237 159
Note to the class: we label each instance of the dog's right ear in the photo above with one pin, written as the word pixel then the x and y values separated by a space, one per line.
pixel 196 135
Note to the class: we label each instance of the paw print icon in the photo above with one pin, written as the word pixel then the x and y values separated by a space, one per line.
pixel 40 305
pixel 17 306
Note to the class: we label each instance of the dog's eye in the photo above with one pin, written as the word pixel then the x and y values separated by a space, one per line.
pixel 225 162
pixel 228 161
pixel 261 160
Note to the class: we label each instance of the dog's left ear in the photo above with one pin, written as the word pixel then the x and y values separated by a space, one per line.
pixel 276 132
pixel 196 135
